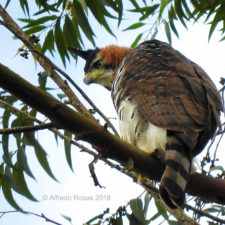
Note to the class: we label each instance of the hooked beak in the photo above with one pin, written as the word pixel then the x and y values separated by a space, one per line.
pixel 90 78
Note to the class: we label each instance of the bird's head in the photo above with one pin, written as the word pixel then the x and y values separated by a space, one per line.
pixel 101 64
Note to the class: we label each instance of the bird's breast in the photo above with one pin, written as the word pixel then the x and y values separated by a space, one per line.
pixel 137 131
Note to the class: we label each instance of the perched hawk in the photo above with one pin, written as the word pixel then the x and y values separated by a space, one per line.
pixel 164 101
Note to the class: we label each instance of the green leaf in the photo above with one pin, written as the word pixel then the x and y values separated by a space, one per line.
pixel 70 33
pixel 22 162
pixel 8 193
pixel 24 6
pixel 39 21
pixel 135 4
pixel 49 42
pixel 67 145
pixel 180 12
pixel 20 182
pixel 7 3
pixel 154 217
pixel 1 173
pixel 137 39
pixel 135 26
pixel 99 11
pixel 35 29
pixel 172 16
pixel 39 152
pixel 60 43
pixel 163 5
pixel 5 138
pixel 161 210
pixel 83 21
pixel 154 34
pixel 168 33
pixel 67 218
pixel 48 8
pixel 215 22
pixel 94 219
pixel 149 11
pixel 137 209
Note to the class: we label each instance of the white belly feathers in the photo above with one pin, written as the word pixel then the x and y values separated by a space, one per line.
pixel 135 130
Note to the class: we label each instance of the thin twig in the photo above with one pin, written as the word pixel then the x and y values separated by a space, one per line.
pixel 31 213
pixel 46 63
pixel 49 67
pixel 202 213
pixel 14 130
pixel 92 171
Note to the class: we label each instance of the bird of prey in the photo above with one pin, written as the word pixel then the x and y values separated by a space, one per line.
pixel 164 102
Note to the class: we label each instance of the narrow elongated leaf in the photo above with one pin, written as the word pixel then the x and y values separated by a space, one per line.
pixel 135 4
pixel 7 3
pixel 172 16
pixel 39 152
pixel 168 33
pixel 22 162
pixel 35 29
pixel 5 138
pixel 49 42
pixel 8 194
pixel 1 173
pixel 180 12
pixel 154 217
pixel 67 146
pixel 69 33
pixel 135 26
pixel 82 20
pixel 137 39
pixel 149 11
pixel 99 11
pixel 40 21
pixel 20 182
pixel 215 22
pixel 24 6
pixel 154 34
pixel 48 8
pixel 163 5
pixel 67 218
pixel 60 43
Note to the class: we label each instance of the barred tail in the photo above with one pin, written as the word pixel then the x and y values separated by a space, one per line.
pixel 175 177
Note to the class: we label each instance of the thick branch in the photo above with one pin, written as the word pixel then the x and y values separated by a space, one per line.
pixel 108 145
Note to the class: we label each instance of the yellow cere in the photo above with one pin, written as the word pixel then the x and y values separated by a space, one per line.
pixel 94 75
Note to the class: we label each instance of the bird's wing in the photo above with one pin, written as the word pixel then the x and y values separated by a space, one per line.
pixel 170 91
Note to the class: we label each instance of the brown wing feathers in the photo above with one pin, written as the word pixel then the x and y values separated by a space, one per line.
pixel 173 93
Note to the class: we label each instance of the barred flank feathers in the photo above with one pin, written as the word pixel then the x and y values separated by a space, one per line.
pixel 175 177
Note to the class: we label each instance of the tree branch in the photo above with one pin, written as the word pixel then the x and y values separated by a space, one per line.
pixel 10 24
pixel 14 130
pixel 50 68
pixel 31 213
pixel 109 146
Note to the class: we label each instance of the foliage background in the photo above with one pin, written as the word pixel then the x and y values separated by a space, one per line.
pixel 192 43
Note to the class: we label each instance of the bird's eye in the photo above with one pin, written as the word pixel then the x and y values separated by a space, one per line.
pixel 100 64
